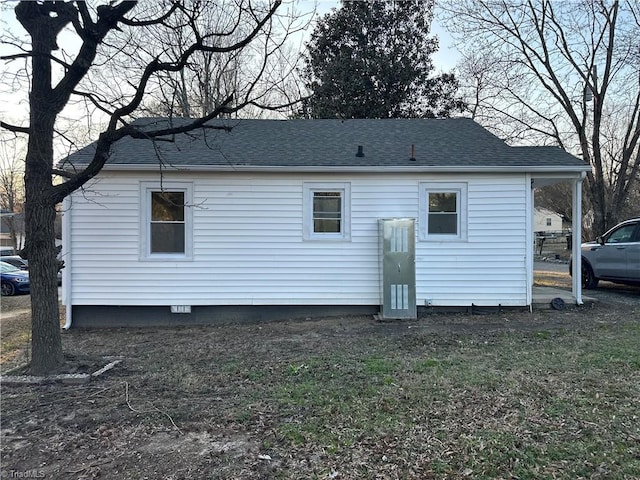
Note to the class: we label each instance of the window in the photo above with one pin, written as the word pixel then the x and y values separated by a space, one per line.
pixel 166 228
pixel 443 211
pixel 327 211
pixel 548 222
pixel 167 222
pixel 623 234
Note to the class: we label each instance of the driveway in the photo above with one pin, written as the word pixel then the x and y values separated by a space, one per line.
pixel 551 267
pixel 607 292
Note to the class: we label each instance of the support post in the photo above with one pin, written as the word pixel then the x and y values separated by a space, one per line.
pixel 576 232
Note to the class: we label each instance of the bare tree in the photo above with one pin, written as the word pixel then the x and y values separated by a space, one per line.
pixel 12 190
pixel 261 69
pixel 57 79
pixel 557 198
pixel 564 73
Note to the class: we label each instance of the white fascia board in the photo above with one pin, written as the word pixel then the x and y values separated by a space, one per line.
pixel 541 170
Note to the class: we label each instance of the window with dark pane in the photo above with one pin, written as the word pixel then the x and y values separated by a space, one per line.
pixel 167 222
pixel 327 212
pixel 443 213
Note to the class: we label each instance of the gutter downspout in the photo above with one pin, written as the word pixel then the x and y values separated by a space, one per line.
pixel 66 256
pixel 576 232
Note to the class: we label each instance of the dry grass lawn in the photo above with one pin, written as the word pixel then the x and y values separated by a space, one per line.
pixel 504 395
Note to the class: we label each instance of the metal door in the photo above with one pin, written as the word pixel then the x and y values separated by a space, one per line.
pixel 398 275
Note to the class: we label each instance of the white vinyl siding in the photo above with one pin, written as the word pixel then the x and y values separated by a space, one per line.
pixel 248 243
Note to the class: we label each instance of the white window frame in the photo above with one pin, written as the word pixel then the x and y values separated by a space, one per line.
pixel 146 188
pixel 309 188
pixel 460 188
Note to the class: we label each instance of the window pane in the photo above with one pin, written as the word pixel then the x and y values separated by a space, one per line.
pixel 167 238
pixel 326 226
pixel 327 212
pixel 443 224
pixel 327 203
pixel 167 206
pixel 326 206
pixel 443 213
pixel 622 235
pixel 443 202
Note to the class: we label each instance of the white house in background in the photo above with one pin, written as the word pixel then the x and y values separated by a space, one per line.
pixel 545 220
pixel 288 217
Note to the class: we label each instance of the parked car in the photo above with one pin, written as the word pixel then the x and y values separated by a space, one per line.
pixel 13 280
pixel 22 264
pixel 16 261
pixel 614 256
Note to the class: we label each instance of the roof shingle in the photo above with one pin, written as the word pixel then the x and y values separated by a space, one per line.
pixel 454 142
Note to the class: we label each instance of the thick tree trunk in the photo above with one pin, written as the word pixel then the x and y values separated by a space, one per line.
pixel 46 342
pixel 598 207
pixel 40 215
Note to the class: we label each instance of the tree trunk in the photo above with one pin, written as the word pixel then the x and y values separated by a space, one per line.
pixel 40 214
pixel 598 206
pixel 46 342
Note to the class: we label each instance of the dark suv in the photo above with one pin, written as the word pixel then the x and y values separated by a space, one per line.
pixel 614 256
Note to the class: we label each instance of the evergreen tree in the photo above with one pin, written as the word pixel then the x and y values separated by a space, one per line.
pixel 372 59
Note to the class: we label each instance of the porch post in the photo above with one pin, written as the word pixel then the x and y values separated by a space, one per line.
pixel 67 292
pixel 576 232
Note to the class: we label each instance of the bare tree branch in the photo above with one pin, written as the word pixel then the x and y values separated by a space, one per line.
pixel 155 21
pixel 537 61
pixel 14 128
pixel 55 79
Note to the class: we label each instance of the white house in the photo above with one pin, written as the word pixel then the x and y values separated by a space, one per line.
pixel 285 218
pixel 545 220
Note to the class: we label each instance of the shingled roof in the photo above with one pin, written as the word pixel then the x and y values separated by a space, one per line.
pixel 389 144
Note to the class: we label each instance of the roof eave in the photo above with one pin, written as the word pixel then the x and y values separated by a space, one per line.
pixel 353 168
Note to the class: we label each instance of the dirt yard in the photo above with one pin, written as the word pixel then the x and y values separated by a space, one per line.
pixel 504 395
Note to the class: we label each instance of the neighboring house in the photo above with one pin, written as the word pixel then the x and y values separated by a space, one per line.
pixel 545 220
pixel 285 218
pixel 6 243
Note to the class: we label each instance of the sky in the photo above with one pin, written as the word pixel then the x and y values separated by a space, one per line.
pixel 13 107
